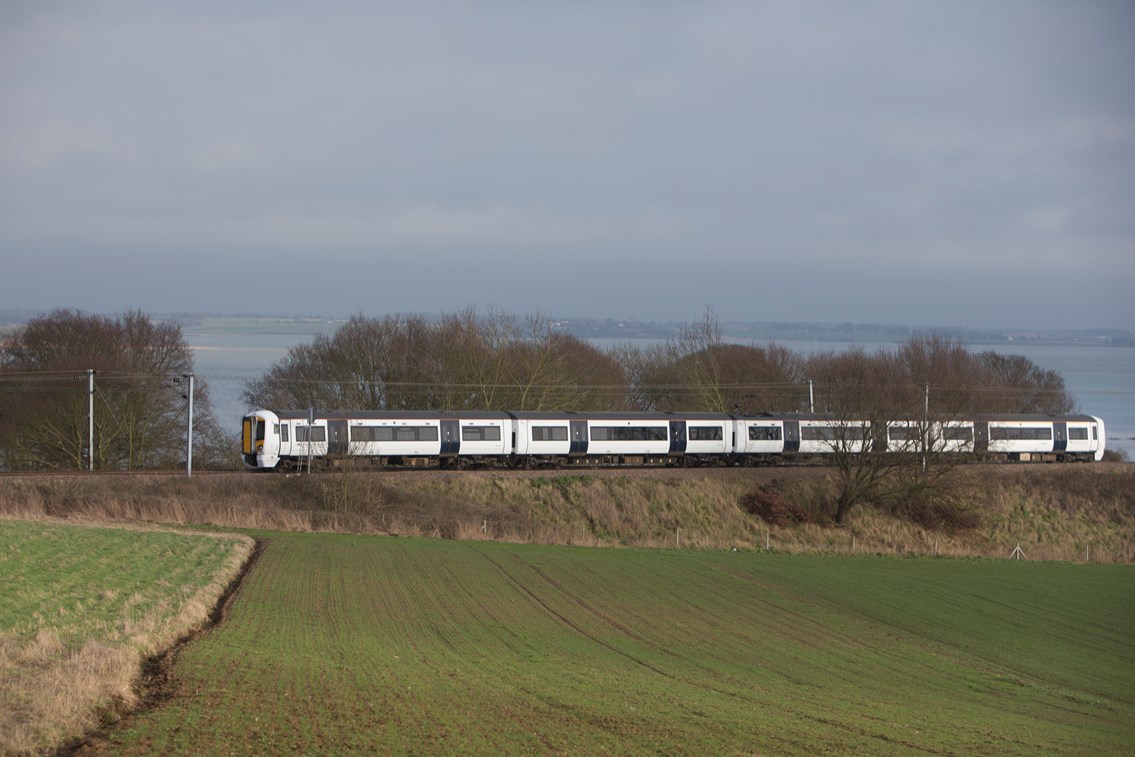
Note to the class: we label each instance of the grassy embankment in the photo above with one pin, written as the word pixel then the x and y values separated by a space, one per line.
pixel 338 643
pixel 81 607
pixel 1070 512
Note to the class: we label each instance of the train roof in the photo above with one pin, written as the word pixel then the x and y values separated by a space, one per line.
pixel 379 415
pixel 562 415
pixel 620 415
pixel 1078 418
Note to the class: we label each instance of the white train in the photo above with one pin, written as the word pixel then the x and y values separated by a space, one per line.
pixel 410 438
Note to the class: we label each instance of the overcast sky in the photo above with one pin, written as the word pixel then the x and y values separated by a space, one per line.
pixel 921 163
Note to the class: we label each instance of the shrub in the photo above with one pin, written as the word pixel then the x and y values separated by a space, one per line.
pixel 771 505
pixel 938 511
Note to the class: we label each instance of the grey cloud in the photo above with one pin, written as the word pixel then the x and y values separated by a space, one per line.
pixel 837 144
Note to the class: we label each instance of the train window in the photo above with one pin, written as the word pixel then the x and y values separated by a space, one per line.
pixel 1013 434
pixel 764 433
pixel 318 433
pixel 416 433
pixel 372 434
pixel 480 433
pixel 705 433
pixel 629 433
pixel 549 433
pixel 904 433
pixel 833 433
pixel 957 433
pixel 284 432
pixel 394 433
pixel 1078 433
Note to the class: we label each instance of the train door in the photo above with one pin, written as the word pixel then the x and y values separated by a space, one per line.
pixel 338 440
pixel 1059 436
pixel 248 434
pixel 981 437
pixel 791 436
pixel 677 437
pixel 450 437
pixel 578 437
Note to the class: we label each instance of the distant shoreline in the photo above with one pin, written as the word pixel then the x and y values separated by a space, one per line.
pixel 630 330
pixel 736 332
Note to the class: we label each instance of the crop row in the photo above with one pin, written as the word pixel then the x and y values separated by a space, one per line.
pixel 342 643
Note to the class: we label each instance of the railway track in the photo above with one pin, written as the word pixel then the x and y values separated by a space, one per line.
pixel 659 472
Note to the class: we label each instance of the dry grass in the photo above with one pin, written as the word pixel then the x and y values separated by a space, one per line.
pixel 63 674
pixel 51 692
pixel 1065 512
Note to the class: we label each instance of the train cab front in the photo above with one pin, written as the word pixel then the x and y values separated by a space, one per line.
pixel 260 440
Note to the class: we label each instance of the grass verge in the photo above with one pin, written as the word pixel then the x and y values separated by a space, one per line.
pixel 81 607
pixel 1070 512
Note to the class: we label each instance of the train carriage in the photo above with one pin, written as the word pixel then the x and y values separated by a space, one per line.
pixel 709 436
pixel 954 436
pixel 829 434
pixel 1029 437
pixel 622 438
pixel 550 435
pixel 1084 438
pixel 288 438
pixel 384 437
pixel 765 436
pixel 907 436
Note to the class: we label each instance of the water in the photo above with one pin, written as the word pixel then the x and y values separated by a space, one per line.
pixel 1102 379
pixel 226 362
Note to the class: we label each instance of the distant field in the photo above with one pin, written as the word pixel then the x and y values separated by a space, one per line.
pixel 340 643
pixel 79 609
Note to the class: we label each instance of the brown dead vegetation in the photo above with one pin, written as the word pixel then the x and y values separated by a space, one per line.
pixel 1054 512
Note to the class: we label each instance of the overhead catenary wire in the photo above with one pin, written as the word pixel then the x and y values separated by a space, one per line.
pixel 16 381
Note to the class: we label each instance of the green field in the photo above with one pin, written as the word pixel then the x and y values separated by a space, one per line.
pixel 82 582
pixel 80 607
pixel 344 643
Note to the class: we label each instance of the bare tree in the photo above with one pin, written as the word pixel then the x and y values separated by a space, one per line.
pixel 1014 384
pixel 350 369
pixel 459 361
pixel 918 402
pixel 140 416
pixel 886 446
pixel 698 370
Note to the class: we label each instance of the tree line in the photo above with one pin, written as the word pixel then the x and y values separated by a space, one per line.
pixel 466 361
pixel 461 360
pixel 140 404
